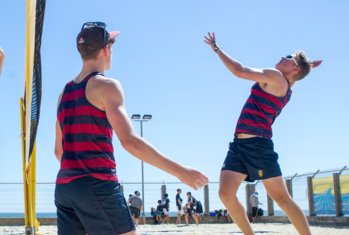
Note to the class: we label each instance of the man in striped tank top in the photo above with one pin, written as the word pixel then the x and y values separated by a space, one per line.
pixel 251 155
pixel 90 108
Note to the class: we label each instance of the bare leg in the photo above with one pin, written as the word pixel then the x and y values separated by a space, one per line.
pixel 178 221
pixel 228 186
pixel 277 190
pixel 167 219
pixel 135 219
pixel 195 218
pixel 186 219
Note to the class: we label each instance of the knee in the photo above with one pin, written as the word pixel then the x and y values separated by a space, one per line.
pixel 225 194
pixel 282 199
pixel 222 193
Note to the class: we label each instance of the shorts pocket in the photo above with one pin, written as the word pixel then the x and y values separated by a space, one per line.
pixel 107 193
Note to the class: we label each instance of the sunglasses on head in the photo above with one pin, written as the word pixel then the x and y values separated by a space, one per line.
pixel 101 25
pixel 290 57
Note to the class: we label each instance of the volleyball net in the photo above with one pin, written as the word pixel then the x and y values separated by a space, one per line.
pixel 30 107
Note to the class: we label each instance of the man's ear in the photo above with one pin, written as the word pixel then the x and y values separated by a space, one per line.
pixel 105 51
pixel 297 70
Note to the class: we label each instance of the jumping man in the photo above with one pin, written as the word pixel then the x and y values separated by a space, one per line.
pixel 251 156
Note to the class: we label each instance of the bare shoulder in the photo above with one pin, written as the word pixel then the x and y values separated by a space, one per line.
pixel 277 83
pixel 275 77
pixel 262 75
pixel 106 86
pixel 273 74
pixel 103 81
pixel 104 91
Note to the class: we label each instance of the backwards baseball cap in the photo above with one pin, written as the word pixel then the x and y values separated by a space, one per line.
pixel 93 37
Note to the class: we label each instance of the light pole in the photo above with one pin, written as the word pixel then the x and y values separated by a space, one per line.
pixel 145 118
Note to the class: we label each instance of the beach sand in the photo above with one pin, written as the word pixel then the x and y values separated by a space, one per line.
pixel 219 229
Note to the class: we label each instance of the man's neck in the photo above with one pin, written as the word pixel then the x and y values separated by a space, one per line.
pixel 88 67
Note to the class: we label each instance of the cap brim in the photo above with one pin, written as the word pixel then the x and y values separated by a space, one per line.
pixel 114 34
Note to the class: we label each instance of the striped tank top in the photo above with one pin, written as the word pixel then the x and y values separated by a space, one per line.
pixel 260 111
pixel 86 137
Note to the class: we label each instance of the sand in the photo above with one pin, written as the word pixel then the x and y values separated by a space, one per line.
pixel 219 229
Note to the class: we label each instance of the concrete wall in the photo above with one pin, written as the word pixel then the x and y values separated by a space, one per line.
pixel 314 220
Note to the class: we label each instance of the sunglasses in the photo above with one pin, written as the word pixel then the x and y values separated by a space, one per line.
pixel 100 25
pixel 290 57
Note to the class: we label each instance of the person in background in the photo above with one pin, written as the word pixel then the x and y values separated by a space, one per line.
pixel 128 200
pixel 166 208
pixel 254 202
pixel 159 212
pixel 136 206
pixel 153 214
pixel 179 205
pixel 251 155
pixel 190 209
pixel 199 211
pixel 226 213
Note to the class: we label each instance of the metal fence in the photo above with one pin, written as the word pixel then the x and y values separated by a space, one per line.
pixel 12 201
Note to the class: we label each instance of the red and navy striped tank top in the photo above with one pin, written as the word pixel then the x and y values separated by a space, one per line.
pixel 86 137
pixel 260 111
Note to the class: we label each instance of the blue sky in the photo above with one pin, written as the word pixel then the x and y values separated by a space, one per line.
pixel 168 71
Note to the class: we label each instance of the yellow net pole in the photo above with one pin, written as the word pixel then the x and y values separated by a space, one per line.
pixel 24 164
pixel 34 223
pixel 29 62
pixel 29 161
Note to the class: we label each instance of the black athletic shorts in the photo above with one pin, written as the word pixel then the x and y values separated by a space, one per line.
pixel 91 206
pixel 135 211
pixel 254 211
pixel 254 157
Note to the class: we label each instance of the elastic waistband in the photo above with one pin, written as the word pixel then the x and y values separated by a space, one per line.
pixel 253 140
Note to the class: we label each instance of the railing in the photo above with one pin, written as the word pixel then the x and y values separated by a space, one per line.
pixel 300 186
pixel 11 195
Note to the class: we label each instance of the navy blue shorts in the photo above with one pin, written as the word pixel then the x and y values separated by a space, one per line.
pixel 91 206
pixel 135 211
pixel 254 157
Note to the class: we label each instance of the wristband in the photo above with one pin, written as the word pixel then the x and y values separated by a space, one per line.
pixel 215 47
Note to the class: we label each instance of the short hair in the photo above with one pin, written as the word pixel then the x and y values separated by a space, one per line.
pixel 304 65
pixel 89 42
pixel 179 190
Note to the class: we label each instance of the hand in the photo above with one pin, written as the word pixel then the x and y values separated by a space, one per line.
pixel 2 57
pixel 210 39
pixel 2 53
pixel 193 178
pixel 316 63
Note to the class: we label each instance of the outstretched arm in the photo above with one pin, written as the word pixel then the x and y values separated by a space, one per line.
pixel 113 104
pixel 240 70
pixel 2 58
